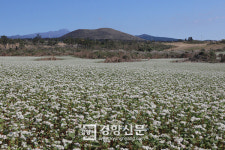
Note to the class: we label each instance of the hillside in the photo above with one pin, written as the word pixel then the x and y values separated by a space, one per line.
pixel 50 34
pixel 154 38
pixel 102 33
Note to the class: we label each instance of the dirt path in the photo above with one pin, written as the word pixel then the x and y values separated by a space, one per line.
pixel 186 46
pixel 190 47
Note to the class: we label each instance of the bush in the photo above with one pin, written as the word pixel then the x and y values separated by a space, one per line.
pixel 204 56
pixel 115 59
pixel 222 41
pixel 222 57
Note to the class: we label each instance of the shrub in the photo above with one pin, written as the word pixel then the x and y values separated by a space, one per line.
pixel 222 41
pixel 222 57
pixel 204 56
pixel 120 58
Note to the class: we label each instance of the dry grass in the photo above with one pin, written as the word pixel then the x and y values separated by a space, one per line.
pixel 215 46
pixel 61 44
pixel 189 47
pixel 185 46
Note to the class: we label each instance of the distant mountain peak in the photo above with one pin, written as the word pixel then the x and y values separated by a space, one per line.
pixel 49 34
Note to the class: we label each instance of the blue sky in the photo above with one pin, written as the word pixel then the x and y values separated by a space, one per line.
pixel 201 19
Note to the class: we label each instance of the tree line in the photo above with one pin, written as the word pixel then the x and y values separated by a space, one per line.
pixel 87 44
pixel 38 40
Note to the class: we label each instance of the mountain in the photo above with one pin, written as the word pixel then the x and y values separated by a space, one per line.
pixel 154 38
pixel 100 34
pixel 50 34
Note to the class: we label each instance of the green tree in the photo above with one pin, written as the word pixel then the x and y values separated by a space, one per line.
pixel 52 42
pixel 21 44
pixel 4 40
pixel 222 41
pixel 69 41
pixel 190 39
pixel 37 39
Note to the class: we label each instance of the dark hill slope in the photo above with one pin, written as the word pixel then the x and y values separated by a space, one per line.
pixel 154 38
pixel 100 34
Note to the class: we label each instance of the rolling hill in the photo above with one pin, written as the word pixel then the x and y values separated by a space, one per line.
pixel 100 34
pixel 154 38
pixel 96 34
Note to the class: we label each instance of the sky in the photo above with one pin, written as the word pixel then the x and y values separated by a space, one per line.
pixel 200 19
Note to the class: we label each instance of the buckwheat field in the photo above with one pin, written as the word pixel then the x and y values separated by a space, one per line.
pixel 45 104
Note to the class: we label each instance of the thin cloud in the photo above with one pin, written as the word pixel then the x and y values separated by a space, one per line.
pixel 211 19
pixel 216 18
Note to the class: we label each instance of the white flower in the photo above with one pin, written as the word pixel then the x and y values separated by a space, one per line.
pixel 195 119
pixel 20 115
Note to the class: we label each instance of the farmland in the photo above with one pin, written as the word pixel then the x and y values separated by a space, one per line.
pixel 43 104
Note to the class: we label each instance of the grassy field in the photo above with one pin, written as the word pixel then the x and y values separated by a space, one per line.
pixel 177 46
pixel 46 104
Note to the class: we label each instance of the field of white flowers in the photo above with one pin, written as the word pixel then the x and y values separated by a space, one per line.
pixel 43 104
